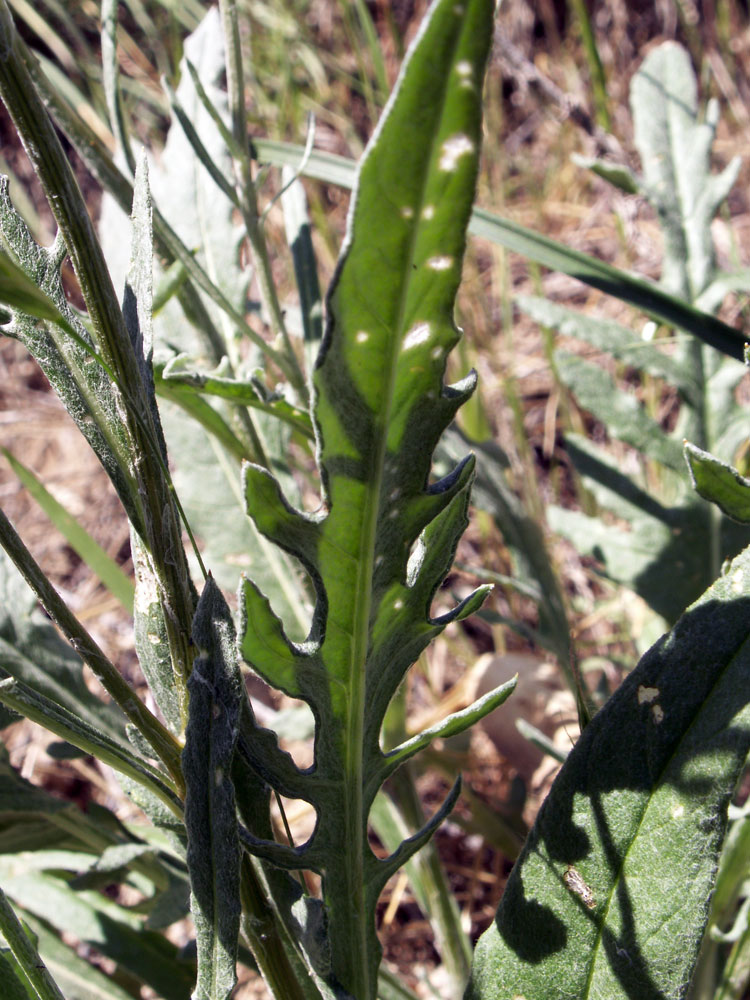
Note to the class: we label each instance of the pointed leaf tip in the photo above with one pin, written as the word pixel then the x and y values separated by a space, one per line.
pixel 719 483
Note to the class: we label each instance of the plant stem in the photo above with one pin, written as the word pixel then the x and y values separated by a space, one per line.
pixel 165 745
pixel 596 70
pixel 159 515
pixel 263 934
pixel 247 198
pixel 26 954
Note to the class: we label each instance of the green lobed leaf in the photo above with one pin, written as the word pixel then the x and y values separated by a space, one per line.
pixel 719 482
pixel 385 536
pixel 611 893
pixel 213 855
pixel 662 305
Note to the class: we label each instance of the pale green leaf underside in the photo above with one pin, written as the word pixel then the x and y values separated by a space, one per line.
pixel 675 150
pixel 639 811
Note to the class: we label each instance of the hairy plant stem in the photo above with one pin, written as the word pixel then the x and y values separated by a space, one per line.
pixel 164 743
pixel 286 977
pixel 169 246
pixel 246 194
pixel 26 954
pixel 161 523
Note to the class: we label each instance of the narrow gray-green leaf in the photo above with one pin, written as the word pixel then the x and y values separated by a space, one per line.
pixel 183 372
pixel 522 534
pixel 81 733
pixel 65 353
pixel 98 561
pixel 213 844
pixel 111 929
pixel 610 896
pixel 618 174
pixel 614 339
pixel 25 953
pixel 15 984
pixel 619 410
pixel 32 651
pixel 20 292
pixel 77 978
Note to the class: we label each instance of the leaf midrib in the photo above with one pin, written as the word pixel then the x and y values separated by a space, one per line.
pixel 363 599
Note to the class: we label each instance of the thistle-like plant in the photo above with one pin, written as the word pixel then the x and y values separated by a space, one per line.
pixel 376 550
pixel 610 894
pixel 673 543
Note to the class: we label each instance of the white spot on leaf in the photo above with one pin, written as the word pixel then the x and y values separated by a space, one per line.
pixel 218 776
pixel 647 694
pixel 738 582
pixel 416 336
pixel 436 353
pixel 398 604
pixel 678 811
pixel 428 212
pixel 440 263
pixel 464 68
pixel 658 713
pixel 407 212
pixel 453 149
pixel 362 337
